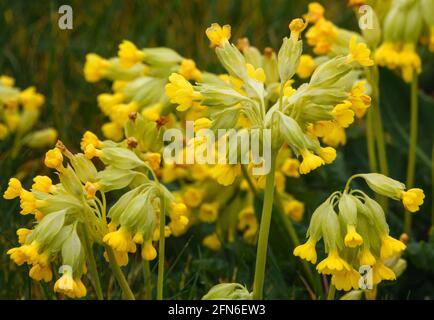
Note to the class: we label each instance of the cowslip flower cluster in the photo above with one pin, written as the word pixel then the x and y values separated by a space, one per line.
pixel 355 232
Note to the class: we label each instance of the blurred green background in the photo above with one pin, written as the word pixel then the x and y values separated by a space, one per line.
pixel 35 51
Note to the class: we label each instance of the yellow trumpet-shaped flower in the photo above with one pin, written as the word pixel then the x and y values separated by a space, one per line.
pixel 73 288
pixel 30 99
pixel 225 174
pixel 107 101
pixel 218 35
pixel 208 212
pixel 346 279
pixel 359 52
pixel 343 114
pixel 181 92
pixel 42 184
pixel 90 189
pixel 315 12
pixel 360 102
pixel 22 234
pixel 328 154
pixel 381 272
pixel 390 247
pixel 121 257
pixel 95 67
pixel 352 238
pixel 412 199
pixel 14 189
pixel 120 240
pixel 188 70
pixel 290 168
pixel 294 209
pixel 366 257
pixel 39 273
pixel 310 162
pixel 296 26
pixel 212 242
pixel 112 131
pixel 129 55
pixel 306 66
pixel 29 204
pixel 89 138
pixel 148 251
pixel 307 251
pixel 54 158
pixel 18 256
pixel 91 152
pixel 257 74
pixel 332 264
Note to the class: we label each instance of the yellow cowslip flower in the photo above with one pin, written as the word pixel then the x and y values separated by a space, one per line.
pixel 18 256
pixel 310 162
pixel 91 152
pixel 409 62
pixel 288 90
pixel 307 251
pixel 412 199
pixel 14 189
pixel 343 114
pixel 121 112
pixel 328 154
pixel 12 119
pixel 346 279
pixel 156 234
pixel 129 55
pixel 90 189
pixel 29 204
pixel 352 238
pixel 73 288
pixel 381 272
pixel 7 81
pixel 306 66
pixel 107 101
pixel 360 102
pixel 359 52
pixel 315 12
pixel 279 181
pixel 257 74
pixel 4 131
pixel 208 212
pixel 178 209
pixel 199 172
pixel 225 174
pixel 218 35
pixel 148 251
pixel 22 234
pixel 89 138
pixel 322 35
pixel 181 92
pixel 43 184
pixel 390 247
pixel 121 257
pixel 120 240
pixel 202 123
pixel 30 99
pixel 193 197
pixel 54 159
pixel 294 209
pixel 153 112
pixel 290 168
pixel 248 223
pixel 112 131
pixel 95 67
pixel 366 257
pixel 212 242
pixel 153 159
pixel 39 273
pixel 332 264
pixel 119 85
pixel 335 136
pixel 387 55
pixel 296 26
pixel 189 71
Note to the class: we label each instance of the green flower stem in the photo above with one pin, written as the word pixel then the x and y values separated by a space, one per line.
pixel 92 264
pixel 147 280
pixel 370 142
pixel 432 197
pixel 411 164
pixel 119 274
pixel 264 230
pixel 161 244
pixel 331 293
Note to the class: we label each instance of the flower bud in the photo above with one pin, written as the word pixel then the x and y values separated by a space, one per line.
pixel 289 58
pixel 41 138
pixel 228 291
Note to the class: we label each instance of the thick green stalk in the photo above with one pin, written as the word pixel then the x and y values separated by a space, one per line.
pixel 432 187
pixel 411 164
pixel 161 244
pixel 147 280
pixel 119 274
pixel 92 264
pixel 370 142
pixel 264 230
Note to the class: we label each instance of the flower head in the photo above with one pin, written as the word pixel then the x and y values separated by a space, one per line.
pixel 307 251
pixel 148 251
pixel 129 55
pixel 181 92
pixel 54 158
pixel 120 240
pixel 225 174
pixel 412 199
pixel 352 238
pixel 332 264
pixel 95 67
pixel 218 35
pixel 310 162
pixel 42 184
pixel 359 52
pixel 212 242
pixel 14 189
pixel 390 247
pixel 346 279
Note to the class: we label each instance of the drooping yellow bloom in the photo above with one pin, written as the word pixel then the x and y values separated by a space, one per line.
pixel 346 279
pixel 322 36
pixel 153 112
pixel 121 257
pixel 30 99
pixel 189 71
pixel 359 52
pixel 18 255
pixel 344 116
pixel 54 159
pixel 73 288
pixel 328 154
pixel 148 251
pixel 39 273
pixel 294 209
pixel 95 67
pixel 409 62
pixel 225 174
pixel 218 35
pixel 212 242
pixel 202 123
pixel 129 55
pixel 42 184
pixel 121 112
pixel 107 101
pixel 412 199
pixel 315 12
pixel 352 238
pixel 360 102
pixel 387 55
pixel 193 197
pixel 288 90
pixel 248 223
pixel 22 234
pixel 208 212
pixel 307 251
pixel 390 247
pixel 290 168
pixel 306 66
pixel 91 152
pixel 89 138
pixel 381 272
pixel 120 240
pixel 112 131
pixel 332 264
pixel 257 74
pixel 14 189
pixel 296 26
pixel 153 159
pixel 310 162
pixel 29 204
pixel 335 136
pixel 181 92
pixel 366 257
